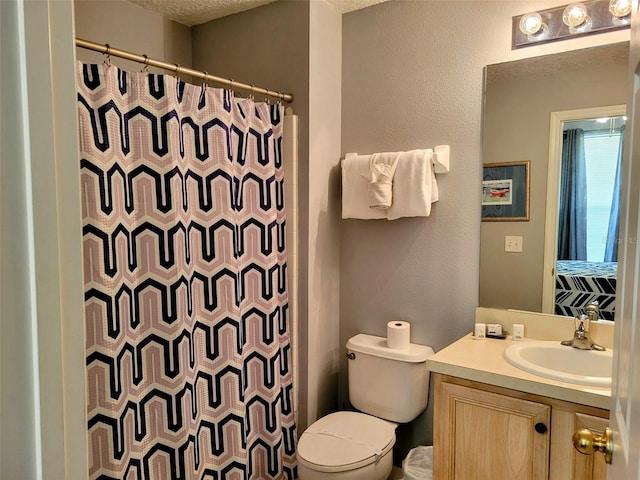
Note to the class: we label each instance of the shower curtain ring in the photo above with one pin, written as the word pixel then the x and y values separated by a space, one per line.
pixel 267 99
pixel 145 69
pixel 178 72
pixel 233 94
pixel 204 81
pixel 251 91
pixel 107 61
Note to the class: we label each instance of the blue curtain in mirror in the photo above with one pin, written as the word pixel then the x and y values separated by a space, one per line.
pixel 611 250
pixel 572 228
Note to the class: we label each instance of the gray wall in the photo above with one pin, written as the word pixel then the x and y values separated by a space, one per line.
pixel 325 90
pixel 404 87
pixel 516 126
pixel 269 46
pixel 412 78
pixel 128 27
pixel 296 47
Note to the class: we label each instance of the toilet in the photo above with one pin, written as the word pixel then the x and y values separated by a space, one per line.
pixel 388 386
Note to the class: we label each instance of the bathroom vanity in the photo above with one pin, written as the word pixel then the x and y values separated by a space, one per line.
pixel 495 421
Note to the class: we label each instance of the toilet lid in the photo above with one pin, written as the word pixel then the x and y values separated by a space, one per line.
pixel 345 441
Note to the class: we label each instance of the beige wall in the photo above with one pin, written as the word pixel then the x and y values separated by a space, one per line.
pixel 516 126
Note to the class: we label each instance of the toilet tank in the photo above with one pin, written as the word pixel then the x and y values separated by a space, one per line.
pixel 388 383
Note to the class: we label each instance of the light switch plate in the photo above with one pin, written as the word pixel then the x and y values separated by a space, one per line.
pixel 512 243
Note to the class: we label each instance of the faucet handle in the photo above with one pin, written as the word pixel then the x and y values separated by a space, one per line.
pixel 592 307
pixel 593 310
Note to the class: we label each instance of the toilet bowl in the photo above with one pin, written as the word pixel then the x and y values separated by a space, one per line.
pixel 347 446
pixel 388 386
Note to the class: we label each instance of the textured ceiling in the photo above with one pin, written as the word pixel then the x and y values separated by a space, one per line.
pixel 195 12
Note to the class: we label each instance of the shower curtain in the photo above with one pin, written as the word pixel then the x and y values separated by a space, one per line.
pixel 188 350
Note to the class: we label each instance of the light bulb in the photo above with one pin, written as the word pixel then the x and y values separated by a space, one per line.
pixel 530 23
pixel 620 8
pixel 575 15
pixel 533 27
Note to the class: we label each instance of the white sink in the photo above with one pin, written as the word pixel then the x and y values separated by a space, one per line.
pixel 559 362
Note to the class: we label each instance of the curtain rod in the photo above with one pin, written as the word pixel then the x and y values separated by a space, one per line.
pixel 108 50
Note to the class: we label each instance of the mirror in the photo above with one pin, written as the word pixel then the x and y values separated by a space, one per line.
pixel 520 97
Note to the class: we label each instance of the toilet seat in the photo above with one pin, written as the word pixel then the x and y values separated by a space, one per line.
pixel 345 441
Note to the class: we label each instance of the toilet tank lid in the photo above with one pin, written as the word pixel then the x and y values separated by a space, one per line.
pixel 377 346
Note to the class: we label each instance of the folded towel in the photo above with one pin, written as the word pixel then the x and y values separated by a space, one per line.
pixel 355 203
pixel 382 167
pixel 415 186
pixel 379 195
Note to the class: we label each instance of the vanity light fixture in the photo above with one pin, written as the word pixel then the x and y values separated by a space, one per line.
pixel 570 21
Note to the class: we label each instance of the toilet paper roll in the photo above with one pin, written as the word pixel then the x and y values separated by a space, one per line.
pixel 398 334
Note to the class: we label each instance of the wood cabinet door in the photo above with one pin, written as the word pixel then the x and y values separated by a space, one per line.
pixel 486 436
pixel 566 462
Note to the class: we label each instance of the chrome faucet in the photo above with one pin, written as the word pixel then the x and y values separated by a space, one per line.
pixel 581 338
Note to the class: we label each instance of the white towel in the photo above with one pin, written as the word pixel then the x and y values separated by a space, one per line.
pixel 355 204
pixel 414 186
pixel 382 167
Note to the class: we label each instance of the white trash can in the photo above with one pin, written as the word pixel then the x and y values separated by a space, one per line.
pixel 418 465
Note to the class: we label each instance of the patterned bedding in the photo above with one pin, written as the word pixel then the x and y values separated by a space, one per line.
pixel 579 283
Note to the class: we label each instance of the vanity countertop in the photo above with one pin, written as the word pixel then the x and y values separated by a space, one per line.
pixel 483 361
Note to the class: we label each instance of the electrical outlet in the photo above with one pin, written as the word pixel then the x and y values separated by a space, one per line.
pixel 512 243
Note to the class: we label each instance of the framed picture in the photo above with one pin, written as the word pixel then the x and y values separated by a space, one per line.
pixel 505 192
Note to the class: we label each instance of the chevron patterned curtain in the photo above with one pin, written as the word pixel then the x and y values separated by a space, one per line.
pixel 187 338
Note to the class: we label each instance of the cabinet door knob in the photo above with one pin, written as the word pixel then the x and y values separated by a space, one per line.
pixel 540 427
pixel 587 443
